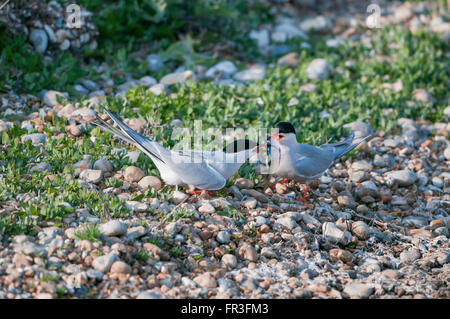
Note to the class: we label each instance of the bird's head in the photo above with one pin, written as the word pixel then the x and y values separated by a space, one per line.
pixel 285 134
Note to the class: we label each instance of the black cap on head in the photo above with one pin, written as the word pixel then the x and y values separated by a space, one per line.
pixel 285 127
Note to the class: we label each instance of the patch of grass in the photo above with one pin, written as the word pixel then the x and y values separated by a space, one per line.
pixel 155 241
pixel 89 232
pixel 175 251
pixel 141 255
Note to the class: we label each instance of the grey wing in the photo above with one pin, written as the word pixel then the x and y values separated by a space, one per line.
pixel 312 161
pixel 202 175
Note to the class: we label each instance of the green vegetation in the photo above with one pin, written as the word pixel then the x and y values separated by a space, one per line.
pixel 89 232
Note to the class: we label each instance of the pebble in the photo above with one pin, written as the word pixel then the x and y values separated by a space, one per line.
pixel 147 81
pixel 36 138
pixel 92 175
pixel 103 263
pixel 229 260
pixel 136 206
pixel 179 197
pixel 334 234
pixel 341 254
pixel 244 183
pixel 408 257
pixel 319 23
pixel 206 280
pixel 177 77
pixel 250 203
pixel 120 267
pixel 358 291
pixel 402 178
pixel 254 73
pixel 206 208
pixel 113 228
pixel 290 60
pixel 51 97
pixel 291 31
pixel 287 222
pixel 41 167
pixel 261 37
pixel 150 182
pixel 361 230
pixel 149 295
pixel 248 252
pixel 133 174
pixel 223 237
pixel 318 69
pixel 226 68
pixel 39 39
pixel 103 165
pixel 423 96
pixel 85 114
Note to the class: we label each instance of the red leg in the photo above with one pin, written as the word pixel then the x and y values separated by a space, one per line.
pixel 305 192
pixel 282 182
pixel 199 191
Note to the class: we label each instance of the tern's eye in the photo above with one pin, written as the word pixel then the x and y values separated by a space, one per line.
pixel 279 137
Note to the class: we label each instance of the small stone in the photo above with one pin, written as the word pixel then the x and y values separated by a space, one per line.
pixel 361 230
pixel 92 175
pixel 229 260
pixel 318 69
pixel 85 114
pixel 436 223
pixel 250 203
pixel 368 188
pixel 133 174
pixel 113 228
pixel 41 167
pixel 423 96
pixel 261 37
pixel 149 295
pixel 244 183
pixel 402 178
pixel 136 206
pixel 408 257
pixel 36 138
pixel 150 181
pixel 438 182
pixel 39 39
pixel 206 208
pixel 358 291
pixel 51 97
pixel 248 252
pixel 173 228
pixel 206 280
pixel 120 267
pixel 447 153
pixel 334 234
pixel 260 197
pixel 226 68
pixel 290 60
pixel 103 263
pixel 254 73
pixel 287 222
pixel 223 237
pixel 341 254
pixel 103 165
pixel 347 201
pixel 403 12
pixel 147 81
pixel 179 197
pixel 318 23
pixel 158 89
pixel 291 31
pixel 177 77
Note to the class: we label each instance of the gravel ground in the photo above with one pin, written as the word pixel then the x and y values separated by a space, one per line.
pixel 376 225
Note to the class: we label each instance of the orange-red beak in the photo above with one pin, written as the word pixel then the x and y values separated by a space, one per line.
pixel 276 136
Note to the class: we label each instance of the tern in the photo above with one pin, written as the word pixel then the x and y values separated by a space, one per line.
pixel 204 170
pixel 302 162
